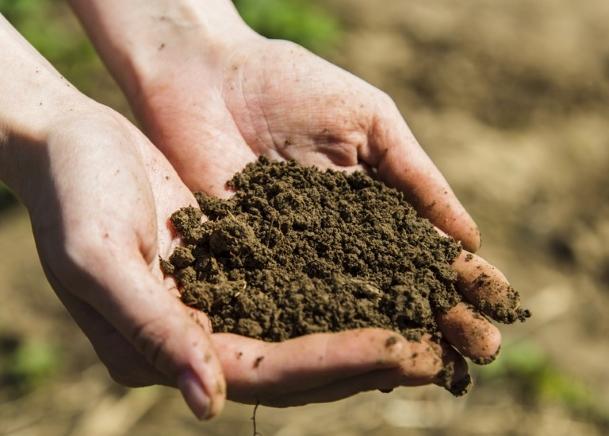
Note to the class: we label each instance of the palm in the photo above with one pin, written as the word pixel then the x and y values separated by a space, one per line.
pixel 294 105
pixel 272 98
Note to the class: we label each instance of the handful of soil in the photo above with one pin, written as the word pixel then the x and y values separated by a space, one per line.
pixel 298 251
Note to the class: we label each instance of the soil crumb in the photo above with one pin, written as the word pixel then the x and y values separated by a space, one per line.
pixel 298 251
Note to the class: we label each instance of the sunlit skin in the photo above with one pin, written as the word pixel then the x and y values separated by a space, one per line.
pixel 99 194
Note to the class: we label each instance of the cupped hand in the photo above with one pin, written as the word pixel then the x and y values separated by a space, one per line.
pixel 276 99
pixel 99 196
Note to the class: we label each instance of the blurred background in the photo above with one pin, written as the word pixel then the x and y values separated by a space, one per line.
pixel 511 100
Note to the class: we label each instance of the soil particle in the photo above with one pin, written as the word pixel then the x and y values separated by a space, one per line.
pixel 457 388
pixel 391 341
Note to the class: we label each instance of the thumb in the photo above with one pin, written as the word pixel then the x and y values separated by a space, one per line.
pixel 402 163
pixel 158 326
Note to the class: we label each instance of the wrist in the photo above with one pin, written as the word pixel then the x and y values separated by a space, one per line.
pixel 33 97
pixel 25 136
pixel 142 41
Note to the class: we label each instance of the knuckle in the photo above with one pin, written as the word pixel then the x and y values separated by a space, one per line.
pixel 385 100
pixel 150 339
pixel 121 378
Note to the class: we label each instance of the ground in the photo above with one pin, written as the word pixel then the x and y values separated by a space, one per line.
pixel 511 101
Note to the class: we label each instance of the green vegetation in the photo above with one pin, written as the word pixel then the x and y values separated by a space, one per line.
pixel 25 364
pixel 295 20
pixel 50 27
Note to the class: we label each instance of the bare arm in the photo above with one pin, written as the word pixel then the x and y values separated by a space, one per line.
pixel 137 39
pixel 31 95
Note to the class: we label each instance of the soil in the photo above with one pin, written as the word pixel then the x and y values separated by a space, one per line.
pixel 298 251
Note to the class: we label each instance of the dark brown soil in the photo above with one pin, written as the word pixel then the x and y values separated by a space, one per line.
pixel 299 251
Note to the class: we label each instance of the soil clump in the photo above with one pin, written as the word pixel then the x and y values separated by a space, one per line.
pixel 298 251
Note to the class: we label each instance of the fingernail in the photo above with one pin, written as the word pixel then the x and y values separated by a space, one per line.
pixel 194 394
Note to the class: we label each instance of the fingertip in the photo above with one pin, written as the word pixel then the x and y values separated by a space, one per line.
pixel 471 238
pixel 203 388
pixel 488 289
pixel 194 395
pixel 456 222
pixel 208 370
pixel 200 377
pixel 470 333
pixel 454 375
pixel 421 361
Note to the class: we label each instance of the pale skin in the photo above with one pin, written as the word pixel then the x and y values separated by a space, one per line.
pixel 212 96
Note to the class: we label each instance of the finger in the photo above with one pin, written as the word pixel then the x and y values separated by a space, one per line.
pixel 157 325
pixel 384 380
pixel 454 376
pixel 450 372
pixel 487 288
pixel 402 163
pixel 124 363
pixel 256 369
pixel 470 333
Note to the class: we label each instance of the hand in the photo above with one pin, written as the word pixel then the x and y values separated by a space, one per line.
pixel 99 197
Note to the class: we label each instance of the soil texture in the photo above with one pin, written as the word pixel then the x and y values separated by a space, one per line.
pixel 298 251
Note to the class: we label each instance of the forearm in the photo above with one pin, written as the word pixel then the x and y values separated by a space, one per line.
pixel 32 96
pixel 141 39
